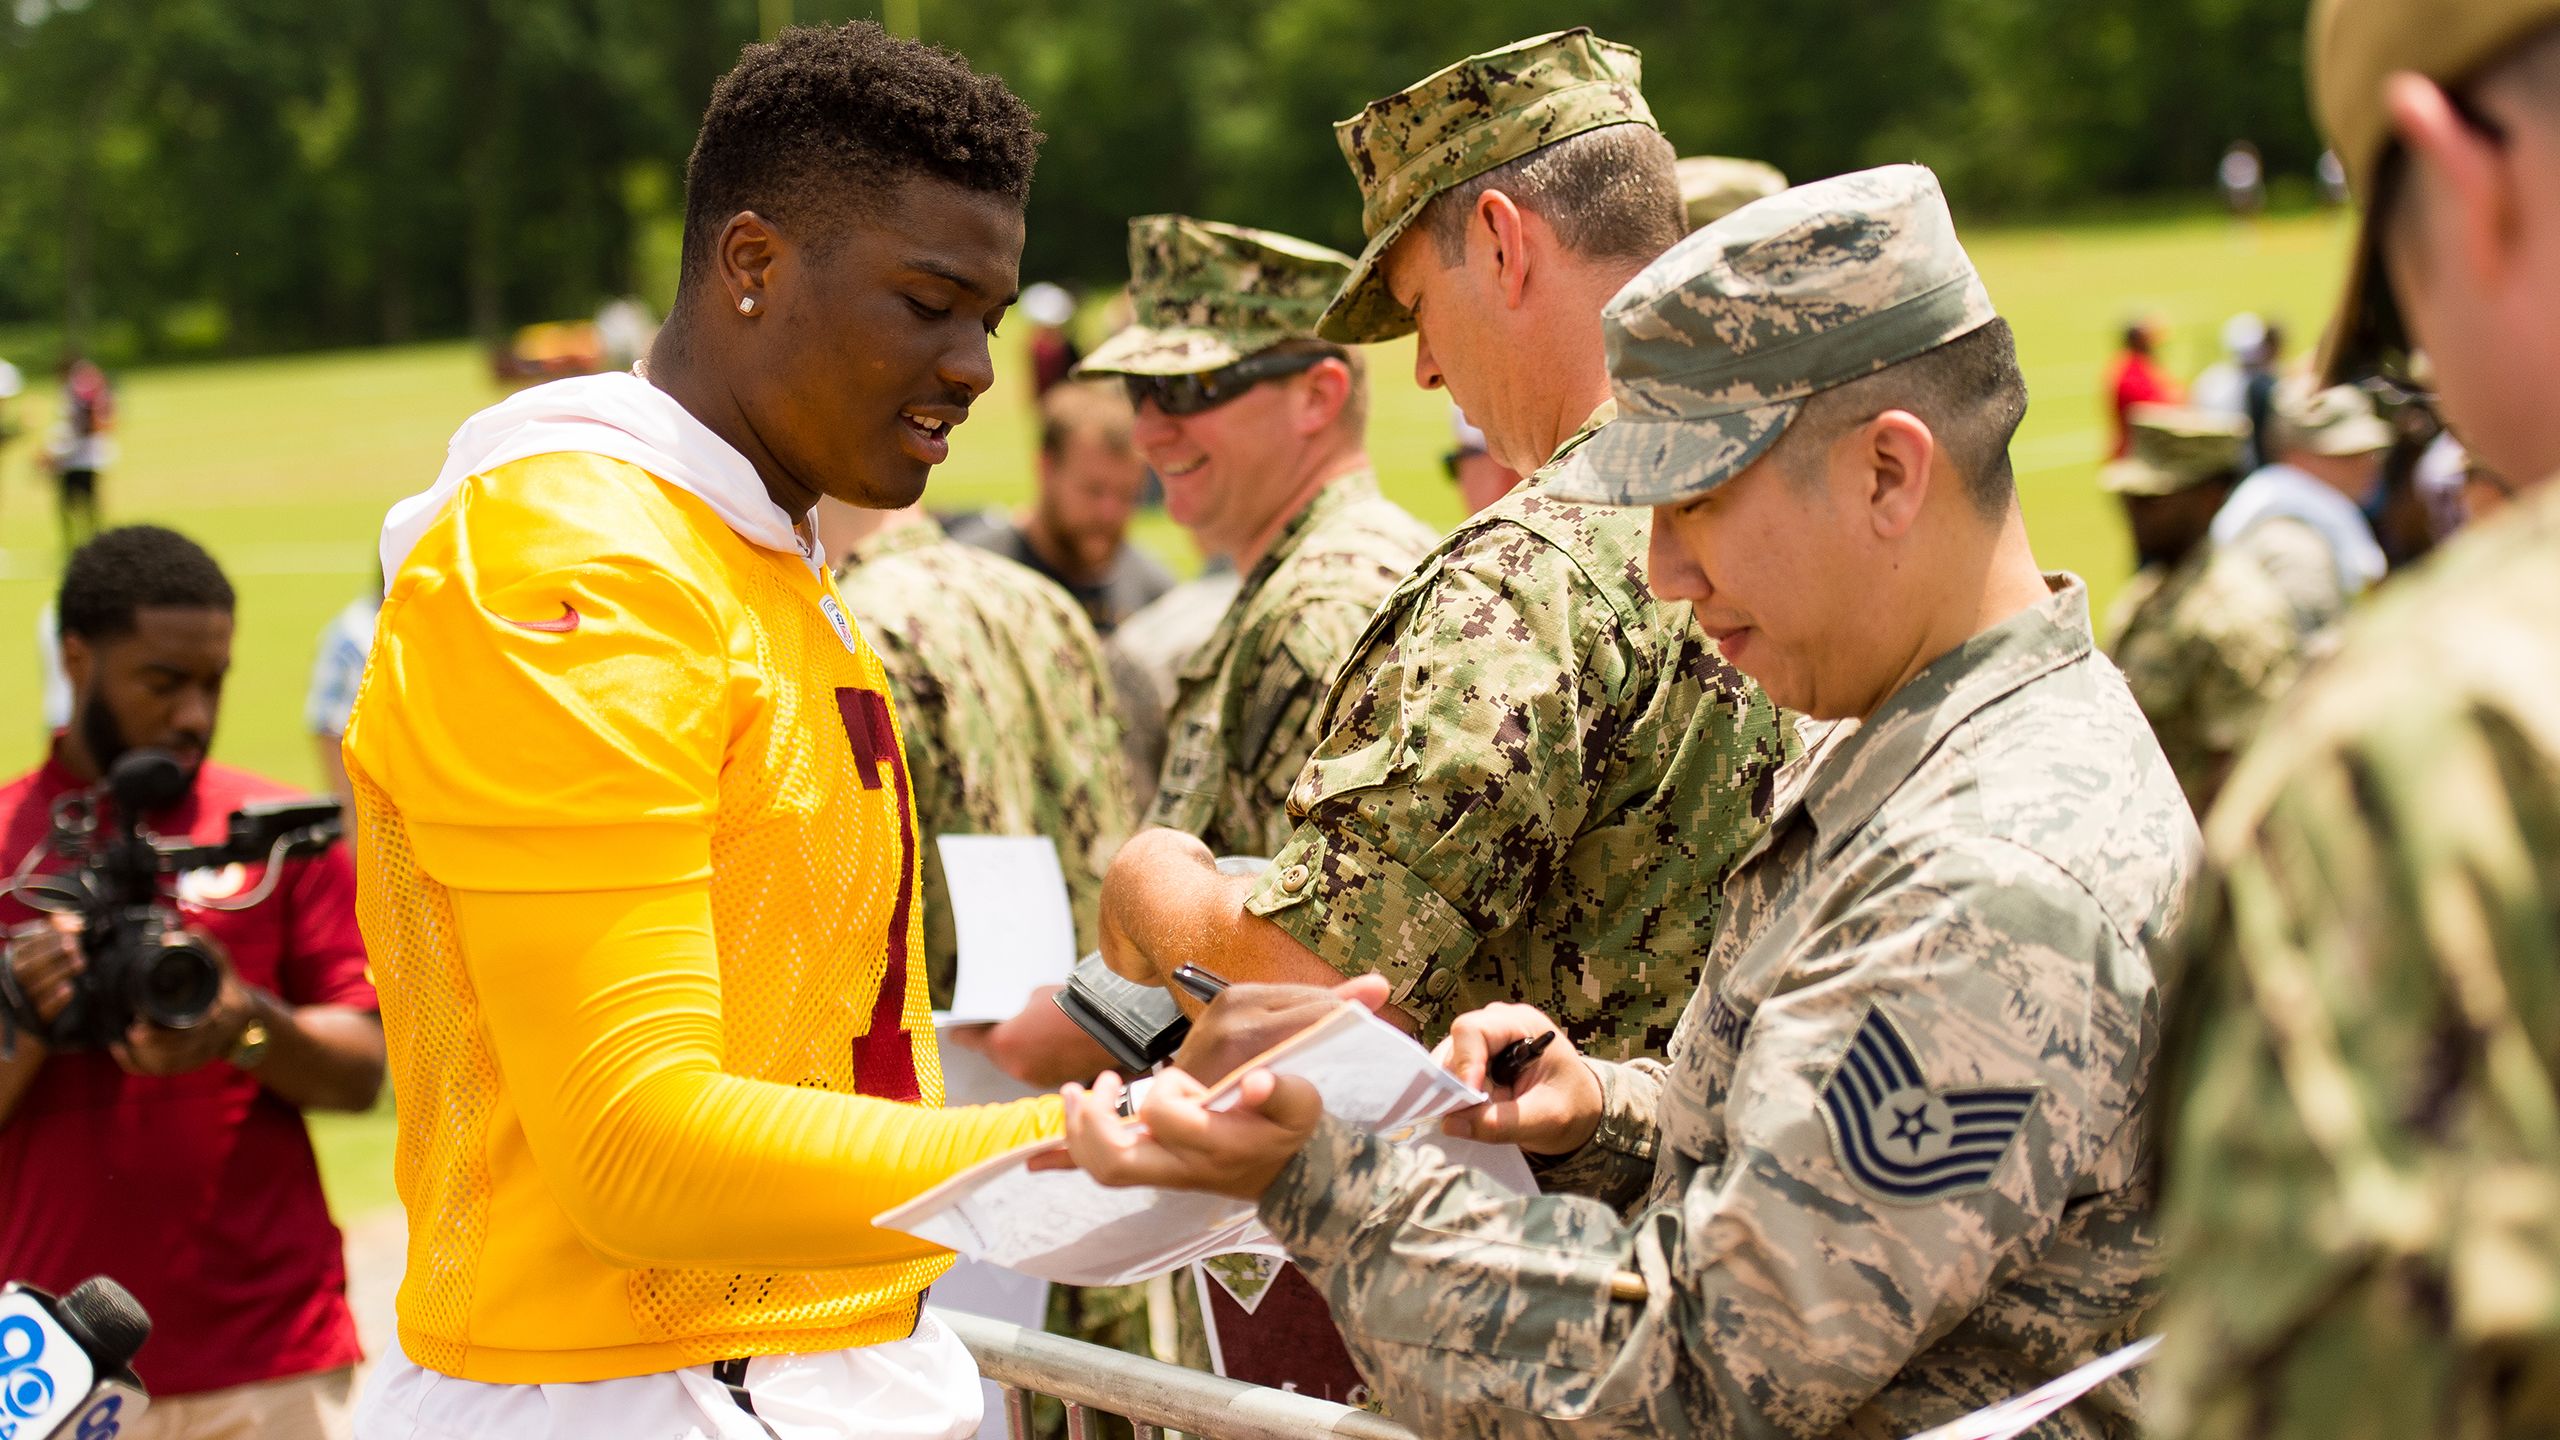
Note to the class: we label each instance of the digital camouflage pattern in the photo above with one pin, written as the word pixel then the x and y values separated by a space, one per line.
pixel 1447 129
pixel 2363 1089
pixel 1245 714
pixel 1714 346
pixel 1714 186
pixel 1206 295
pixel 1979 872
pixel 1005 709
pixel 2296 561
pixel 1531 778
pixel 1146 654
pixel 2207 648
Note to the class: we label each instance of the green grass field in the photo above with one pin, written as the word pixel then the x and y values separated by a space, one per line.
pixel 284 467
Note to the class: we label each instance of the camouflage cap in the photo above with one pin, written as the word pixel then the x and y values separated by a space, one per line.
pixel 1206 295
pixel 1484 111
pixel 2339 420
pixel 1714 186
pixel 2175 449
pixel 2355 46
pixel 1714 347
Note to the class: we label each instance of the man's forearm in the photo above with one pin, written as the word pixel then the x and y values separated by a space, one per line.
pixel 319 1057
pixel 19 1072
pixel 1166 905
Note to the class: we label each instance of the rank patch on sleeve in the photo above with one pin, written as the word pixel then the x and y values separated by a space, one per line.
pixel 1904 1142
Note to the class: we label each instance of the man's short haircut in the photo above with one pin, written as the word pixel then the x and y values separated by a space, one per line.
pixel 1969 392
pixel 812 123
pixel 130 568
pixel 1086 409
pixel 1354 417
pixel 1611 194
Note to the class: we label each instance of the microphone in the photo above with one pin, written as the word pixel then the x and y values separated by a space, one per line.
pixel 66 1364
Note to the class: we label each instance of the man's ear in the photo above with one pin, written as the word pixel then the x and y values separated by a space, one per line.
pixel 1499 224
pixel 745 256
pixel 77 658
pixel 1899 453
pixel 2477 207
pixel 1321 398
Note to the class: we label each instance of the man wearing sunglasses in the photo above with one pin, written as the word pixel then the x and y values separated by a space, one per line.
pixel 2362 1156
pixel 1259 431
pixel 1533 776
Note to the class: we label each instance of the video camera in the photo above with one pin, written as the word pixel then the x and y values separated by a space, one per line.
pixel 141 962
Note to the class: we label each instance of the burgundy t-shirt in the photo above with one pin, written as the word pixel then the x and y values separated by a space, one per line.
pixel 197 1192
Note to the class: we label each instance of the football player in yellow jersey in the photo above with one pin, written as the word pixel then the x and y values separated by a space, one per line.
pixel 637 855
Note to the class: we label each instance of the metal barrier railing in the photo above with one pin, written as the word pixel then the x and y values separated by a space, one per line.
pixel 1152 1396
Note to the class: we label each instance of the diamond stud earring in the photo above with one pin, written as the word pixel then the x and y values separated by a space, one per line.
pixel 746 304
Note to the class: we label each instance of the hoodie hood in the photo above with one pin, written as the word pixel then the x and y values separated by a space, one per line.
pixel 621 417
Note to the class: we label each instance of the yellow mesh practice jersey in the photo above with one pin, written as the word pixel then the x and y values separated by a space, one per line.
pixel 638 876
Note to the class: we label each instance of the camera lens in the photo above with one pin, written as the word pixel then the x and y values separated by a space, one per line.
pixel 175 984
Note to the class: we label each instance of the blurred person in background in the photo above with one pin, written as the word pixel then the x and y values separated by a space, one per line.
pixel 2205 639
pixel 81 447
pixel 1050 309
pixel 2137 378
pixel 178 1162
pixel 336 672
pixel 1480 478
pixel 12 385
pixel 1260 432
pixel 2243 176
pixel 1075 531
pixel 1714 186
pixel 2360 1151
pixel 2223 387
pixel 2302 518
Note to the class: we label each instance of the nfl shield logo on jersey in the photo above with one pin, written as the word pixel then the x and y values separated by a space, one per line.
pixel 1904 1142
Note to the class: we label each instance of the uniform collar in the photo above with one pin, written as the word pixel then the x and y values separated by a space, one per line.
pixel 1852 767
pixel 1341 490
pixel 921 532
pixel 1607 412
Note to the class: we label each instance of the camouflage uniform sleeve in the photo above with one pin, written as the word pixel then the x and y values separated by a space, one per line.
pixel 1449 785
pixel 2363 1182
pixel 1617 1162
pixel 1783 1290
pixel 1275 715
pixel 935 775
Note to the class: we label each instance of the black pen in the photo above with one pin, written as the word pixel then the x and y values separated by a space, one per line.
pixel 1513 1060
pixel 1199 984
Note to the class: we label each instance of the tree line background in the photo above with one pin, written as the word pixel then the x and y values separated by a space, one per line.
pixel 189 176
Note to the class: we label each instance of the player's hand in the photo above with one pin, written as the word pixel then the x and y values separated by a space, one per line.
pixel 1555 1107
pixel 44 958
pixel 1178 1143
pixel 1247 1020
pixel 149 1049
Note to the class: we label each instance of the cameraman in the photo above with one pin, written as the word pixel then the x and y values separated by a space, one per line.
pixel 177 1161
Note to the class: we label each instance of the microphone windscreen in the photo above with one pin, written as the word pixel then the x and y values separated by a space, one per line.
pixel 107 1321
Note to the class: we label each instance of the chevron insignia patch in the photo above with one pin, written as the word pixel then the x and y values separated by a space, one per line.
pixel 1903 1142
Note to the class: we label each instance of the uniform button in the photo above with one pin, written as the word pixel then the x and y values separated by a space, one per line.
pixel 1294 879
pixel 1440 984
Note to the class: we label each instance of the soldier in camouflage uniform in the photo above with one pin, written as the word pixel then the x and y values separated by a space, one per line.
pixel 1281 489
pixel 1009 730
pixel 2300 521
pixel 1532 775
pixel 1894 1168
pixel 2363 1153
pixel 2206 639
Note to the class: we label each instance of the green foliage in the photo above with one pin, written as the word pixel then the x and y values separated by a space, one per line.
pixel 179 175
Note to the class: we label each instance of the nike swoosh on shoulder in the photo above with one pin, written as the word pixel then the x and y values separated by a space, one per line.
pixel 567 622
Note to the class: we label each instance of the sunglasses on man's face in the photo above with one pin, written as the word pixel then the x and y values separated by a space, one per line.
pixel 1191 394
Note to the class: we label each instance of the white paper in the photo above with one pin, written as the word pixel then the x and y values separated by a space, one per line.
pixel 2019 1413
pixel 1015 927
pixel 1063 1226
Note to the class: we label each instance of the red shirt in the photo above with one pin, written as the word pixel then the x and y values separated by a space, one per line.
pixel 2139 380
pixel 197 1192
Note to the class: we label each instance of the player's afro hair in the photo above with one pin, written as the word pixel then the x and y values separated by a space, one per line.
pixel 130 567
pixel 811 123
